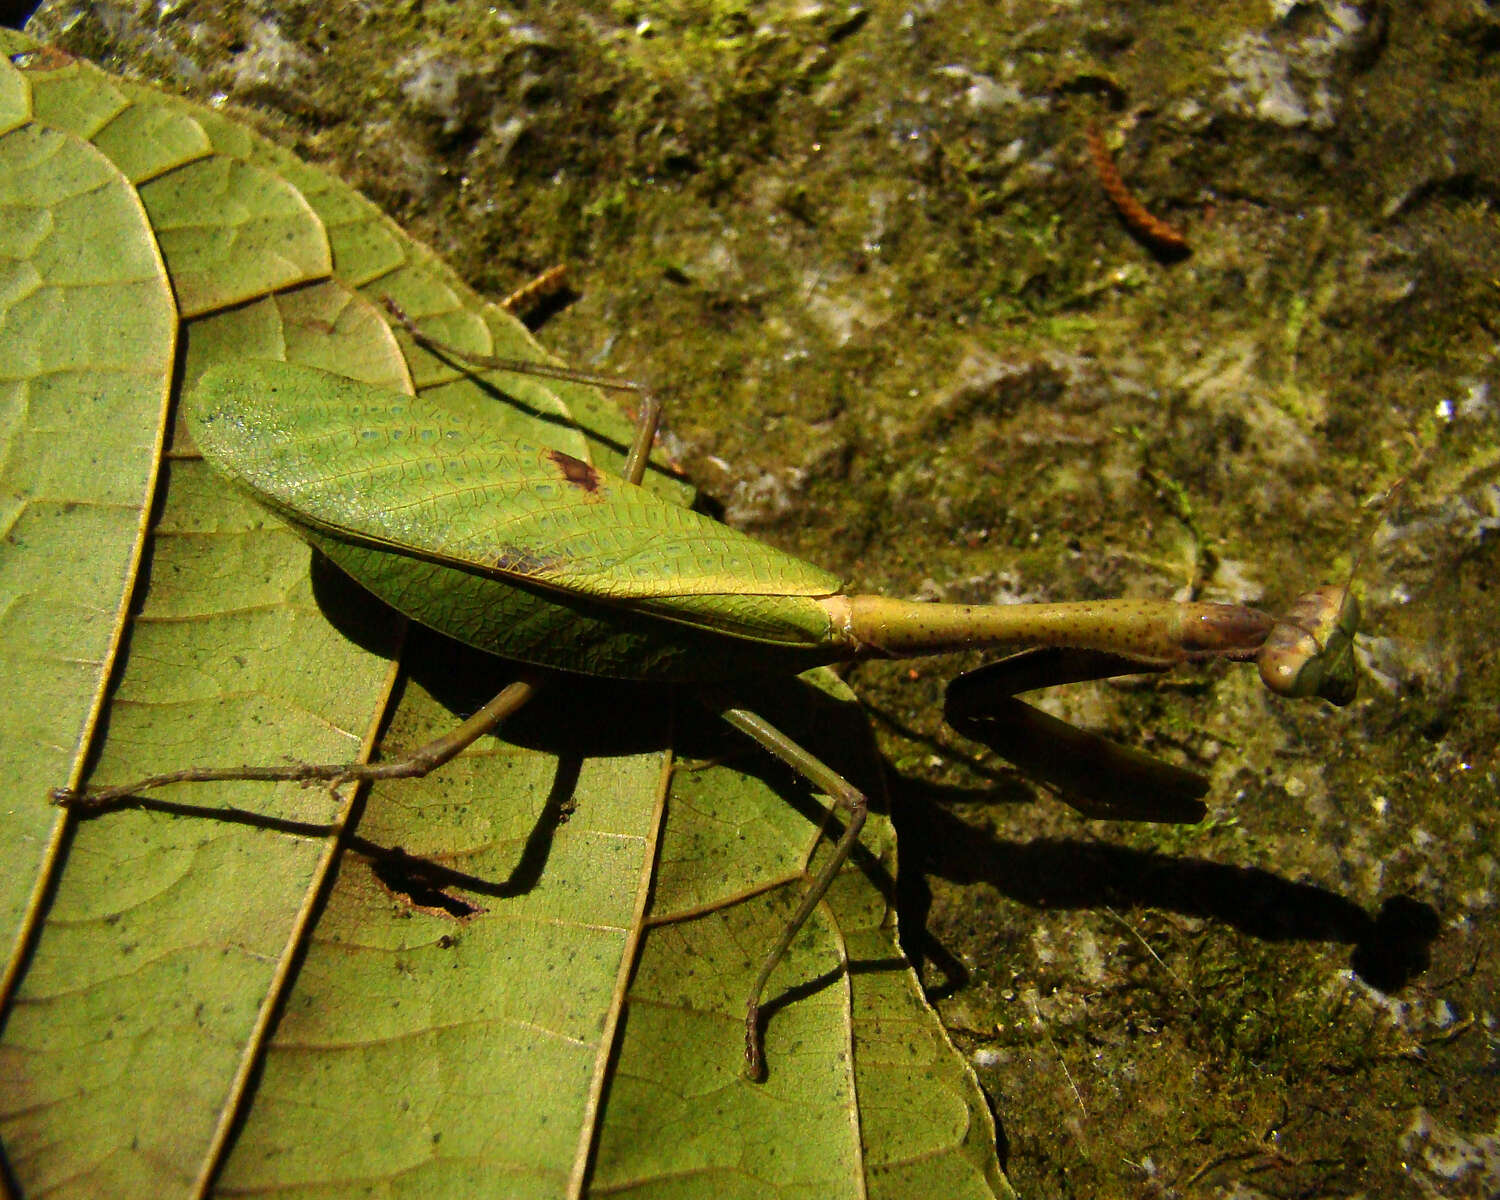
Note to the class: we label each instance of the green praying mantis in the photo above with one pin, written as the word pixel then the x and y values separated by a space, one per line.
pixel 529 553
pixel 505 540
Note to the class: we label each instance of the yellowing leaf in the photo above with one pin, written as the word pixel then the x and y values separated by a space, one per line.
pixel 75 254
pixel 521 975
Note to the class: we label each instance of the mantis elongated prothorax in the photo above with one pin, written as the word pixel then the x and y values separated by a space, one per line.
pixel 1155 631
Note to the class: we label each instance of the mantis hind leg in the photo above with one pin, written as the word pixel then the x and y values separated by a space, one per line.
pixel 854 805
pixel 418 763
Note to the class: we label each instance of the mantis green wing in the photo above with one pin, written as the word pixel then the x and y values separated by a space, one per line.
pixel 507 544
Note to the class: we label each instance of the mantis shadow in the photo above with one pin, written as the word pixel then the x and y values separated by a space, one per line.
pixel 1388 949
pixel 576 717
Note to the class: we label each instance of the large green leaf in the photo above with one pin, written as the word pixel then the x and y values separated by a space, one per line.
pixel 77 254
pixel 523 975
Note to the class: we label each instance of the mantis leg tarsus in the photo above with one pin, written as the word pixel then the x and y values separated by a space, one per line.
pixel 854 804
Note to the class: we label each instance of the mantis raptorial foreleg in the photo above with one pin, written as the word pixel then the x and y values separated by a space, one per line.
pixel 1308 651
pixel 1096 775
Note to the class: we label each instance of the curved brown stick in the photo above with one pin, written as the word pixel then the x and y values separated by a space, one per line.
pixel 1141 223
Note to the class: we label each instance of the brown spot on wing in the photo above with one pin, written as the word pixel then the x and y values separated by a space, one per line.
pixel 576 471
pixel 518 562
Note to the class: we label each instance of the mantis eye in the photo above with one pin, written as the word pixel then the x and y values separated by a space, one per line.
pixel 1310 651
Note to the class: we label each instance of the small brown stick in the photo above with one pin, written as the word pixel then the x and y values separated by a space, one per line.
pixel 1154 230
pixel 528 295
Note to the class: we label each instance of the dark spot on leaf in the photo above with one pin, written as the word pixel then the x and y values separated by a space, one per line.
pixel 576 471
